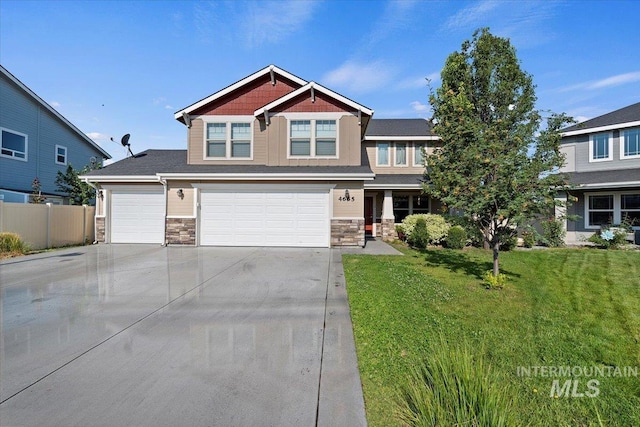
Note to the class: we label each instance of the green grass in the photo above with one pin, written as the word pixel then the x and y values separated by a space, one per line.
pixel 565 307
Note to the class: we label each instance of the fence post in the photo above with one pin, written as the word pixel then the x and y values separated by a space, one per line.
pixel 49 225
pixel 1 216
pixel 84 225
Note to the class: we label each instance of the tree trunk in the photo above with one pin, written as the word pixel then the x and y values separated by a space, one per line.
pixel 496 264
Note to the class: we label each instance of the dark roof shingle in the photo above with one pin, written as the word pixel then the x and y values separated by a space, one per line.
pixel 399 127
pixel 627 114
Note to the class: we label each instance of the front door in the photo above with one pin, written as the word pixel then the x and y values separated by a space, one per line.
pixel 368 216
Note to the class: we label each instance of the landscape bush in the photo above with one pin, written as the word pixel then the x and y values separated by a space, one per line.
pixel 12 242
pixel 474 234
pixel 553 233
pixel 437 226
pixel 609 238
pixel 419 237
pixel 529 237
pixel 456 237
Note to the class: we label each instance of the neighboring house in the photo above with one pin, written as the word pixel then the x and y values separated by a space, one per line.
pixel 271 160
pixel 37 141
pixel 603 162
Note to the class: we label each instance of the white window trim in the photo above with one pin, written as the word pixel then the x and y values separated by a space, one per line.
pixel 406 155
pixel 26 145
pixel 65 155
pixel 617 207
pixel 622 155
pixel 312 119
pixel 417 146
pixel 610 139
pixel 227 120
pixel 389 145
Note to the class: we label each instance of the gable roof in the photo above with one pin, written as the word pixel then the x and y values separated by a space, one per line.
pixel 309 87
pixel 271 69
pixel 400 130
pixel 621 118
pixel 53 111
pixel 617 178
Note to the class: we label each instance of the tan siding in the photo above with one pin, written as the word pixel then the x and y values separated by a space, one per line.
pixel 99 204
pixel 196 143
pixel 177 206
pixel 348 209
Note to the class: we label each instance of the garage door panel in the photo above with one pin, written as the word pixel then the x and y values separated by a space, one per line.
pixel 137 216
pixel 270 218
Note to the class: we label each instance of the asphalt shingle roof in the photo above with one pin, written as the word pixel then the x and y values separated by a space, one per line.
pixel 610 177
pixel 151 162
pixel 399 127
pixel 396 179
pixel 627 114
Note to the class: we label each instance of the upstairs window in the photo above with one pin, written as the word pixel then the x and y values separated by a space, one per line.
pixel 61 155
pixel 313 138
pixel 14 145
pixel 228 140
pixel 382 156
pixel 600 146
pixel 418 154
pixel 401 154
pixel 631 143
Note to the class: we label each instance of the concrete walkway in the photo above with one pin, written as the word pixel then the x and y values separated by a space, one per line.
pixel 143 335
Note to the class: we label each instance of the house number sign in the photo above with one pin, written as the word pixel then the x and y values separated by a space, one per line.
pixel 347 197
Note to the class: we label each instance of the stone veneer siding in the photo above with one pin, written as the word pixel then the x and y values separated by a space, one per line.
pixel 100 229
pixel 181 231
pixel 347 232
pixel 388 229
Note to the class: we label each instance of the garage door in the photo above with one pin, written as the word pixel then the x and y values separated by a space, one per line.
pixel 137 216
pixel 264 218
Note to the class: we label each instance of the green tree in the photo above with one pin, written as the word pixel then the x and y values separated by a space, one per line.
pixel 495 163
pixel 79 192
pixel 36 194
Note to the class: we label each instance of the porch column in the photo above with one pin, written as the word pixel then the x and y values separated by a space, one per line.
pixel 388 222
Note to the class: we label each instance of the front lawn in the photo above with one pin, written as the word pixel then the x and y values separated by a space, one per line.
pixel 577 308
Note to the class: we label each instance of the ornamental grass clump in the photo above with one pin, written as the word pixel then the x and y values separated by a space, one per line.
pixel 12 243
pixel 453 387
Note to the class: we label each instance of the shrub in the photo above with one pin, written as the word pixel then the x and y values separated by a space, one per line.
pixel 420 235
pixel 456 238
pixel 508 243
pixel 529 237
pixel 11 242
pixel 437 226
pixel 454 388
pixel 553 233
pixel 609 238
pixel 400 232
pixel 494 282
pixel 474 234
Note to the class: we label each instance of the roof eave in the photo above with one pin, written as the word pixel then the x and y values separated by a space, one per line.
pixel 402 138
pixel 601 128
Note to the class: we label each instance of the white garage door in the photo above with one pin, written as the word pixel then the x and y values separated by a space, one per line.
pixel 137 216
pixel 264 218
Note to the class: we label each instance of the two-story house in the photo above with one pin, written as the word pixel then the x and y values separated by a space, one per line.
pixel 271 160
pixel 37 141
pixel 603 162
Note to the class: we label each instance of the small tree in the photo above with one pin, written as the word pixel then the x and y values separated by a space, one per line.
pixel 80 193
pixel 495 165
pixel 36 194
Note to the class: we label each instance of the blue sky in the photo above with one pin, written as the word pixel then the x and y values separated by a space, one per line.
pixel 116 67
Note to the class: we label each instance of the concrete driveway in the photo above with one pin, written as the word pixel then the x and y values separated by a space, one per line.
pixel 114 335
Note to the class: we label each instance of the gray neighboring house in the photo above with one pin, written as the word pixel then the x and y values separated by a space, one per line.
pixel 37 141
pixel 603 162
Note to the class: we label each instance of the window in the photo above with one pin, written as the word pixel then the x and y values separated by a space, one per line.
pixel 630 208
pixel 14 145
pixel 61 155
pixel 404 205
pixel 600 210
pixel 321 142
pixel 401 154
pixel 383 154
pixel 418 154
pixel 325 138
pixel 631 144
pixel 400 207
pixel 600 146
pixel 420 204
pixel 228 140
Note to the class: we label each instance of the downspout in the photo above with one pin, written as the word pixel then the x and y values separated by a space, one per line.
pixel 95 226
pixel 166 208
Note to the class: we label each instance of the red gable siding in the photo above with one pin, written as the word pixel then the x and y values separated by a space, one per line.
pixel 247 99
pixel 303 104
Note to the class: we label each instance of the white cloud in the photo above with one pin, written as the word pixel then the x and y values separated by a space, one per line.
pixel 617 80
pixel 421 82
pixel 168 107
pixel 97 136
pixel 397 15
pixel 54 104
pixel 358 77
pixel 420 107
pixel 470 16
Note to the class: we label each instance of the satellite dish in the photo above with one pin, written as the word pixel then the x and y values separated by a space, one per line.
pixel 125 140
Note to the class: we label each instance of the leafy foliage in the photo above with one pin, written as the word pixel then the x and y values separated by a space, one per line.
pixel 529 236
pixel 36 195
pixel 494 282
pixel 609 238
pixel 495 162
pixel 79 192
pixel 437 226
pixel 419 237
pixel 456 238
pixel 553 233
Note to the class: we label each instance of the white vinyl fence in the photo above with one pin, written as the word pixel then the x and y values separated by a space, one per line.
pixel 48 226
